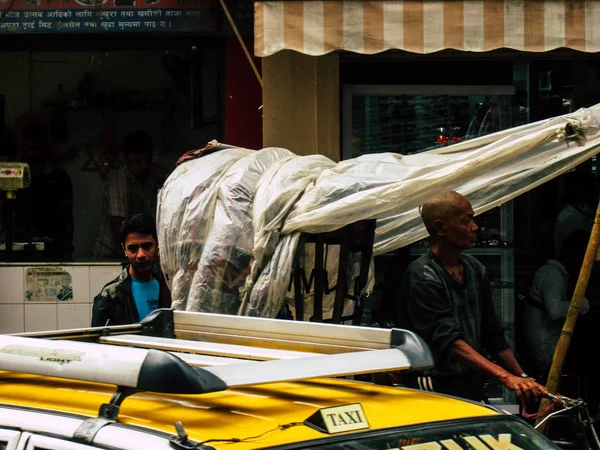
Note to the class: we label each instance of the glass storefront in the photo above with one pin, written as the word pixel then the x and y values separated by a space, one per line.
pixel 410 116
pixel 412 119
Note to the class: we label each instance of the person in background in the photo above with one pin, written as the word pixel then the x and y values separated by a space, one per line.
pixel 446 299
pixel 44 210
pixel 580 199
pixel 140 288
pixel 131 189
pixel 549 300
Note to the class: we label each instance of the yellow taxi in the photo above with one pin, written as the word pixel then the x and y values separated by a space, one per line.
pixel 181 380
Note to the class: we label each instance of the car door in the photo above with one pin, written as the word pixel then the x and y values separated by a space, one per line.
pixel 31 441
pixel 9 439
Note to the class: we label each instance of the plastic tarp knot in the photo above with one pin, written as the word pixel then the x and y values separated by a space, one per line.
pixel 575 129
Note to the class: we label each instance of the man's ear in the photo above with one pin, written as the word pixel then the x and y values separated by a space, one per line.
pixel 123 247
pixel 438 227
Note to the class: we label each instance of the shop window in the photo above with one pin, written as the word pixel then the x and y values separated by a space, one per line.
pixel 77 108
pixel 412 119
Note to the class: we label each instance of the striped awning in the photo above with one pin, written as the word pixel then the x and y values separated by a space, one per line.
pixel 317 27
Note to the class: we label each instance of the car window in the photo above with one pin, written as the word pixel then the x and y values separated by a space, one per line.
pixel 480 434
pixel 47 443
pixel 8 439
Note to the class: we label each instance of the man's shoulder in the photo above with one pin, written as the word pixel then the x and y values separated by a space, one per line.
pixel 420 262
pixel 117 174
pixel 422 269
pixel 551 268
pixel 113 287
pixel 567 212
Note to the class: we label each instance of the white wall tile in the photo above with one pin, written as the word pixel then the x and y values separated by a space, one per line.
pixel 74 315
pixel 80 276
pixel 13 286
pixel 40 317
pixel 11 280
pixel 12 319
pixel 99 276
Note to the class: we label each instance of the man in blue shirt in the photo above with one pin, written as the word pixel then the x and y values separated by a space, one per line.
pixel 139 289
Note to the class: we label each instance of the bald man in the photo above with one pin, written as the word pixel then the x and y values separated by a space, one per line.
pixel 445 298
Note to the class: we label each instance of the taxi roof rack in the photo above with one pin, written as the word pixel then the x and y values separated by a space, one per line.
pixel 205 355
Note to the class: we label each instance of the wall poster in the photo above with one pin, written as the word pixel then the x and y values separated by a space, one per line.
pixel 48 284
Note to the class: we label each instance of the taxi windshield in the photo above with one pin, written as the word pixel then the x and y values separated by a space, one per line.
pixel 470 434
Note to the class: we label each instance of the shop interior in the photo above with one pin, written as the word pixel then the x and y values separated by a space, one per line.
pixel 89 99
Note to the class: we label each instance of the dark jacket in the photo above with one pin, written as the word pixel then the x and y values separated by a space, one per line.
pixel 441 310
pixel 115 305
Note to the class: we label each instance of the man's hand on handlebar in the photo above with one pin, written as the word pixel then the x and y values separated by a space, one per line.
pixel 526 388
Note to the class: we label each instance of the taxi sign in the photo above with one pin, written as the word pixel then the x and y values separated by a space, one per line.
pixel 338 419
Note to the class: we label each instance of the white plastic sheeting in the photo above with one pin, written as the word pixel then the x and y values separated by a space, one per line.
pixel 229 222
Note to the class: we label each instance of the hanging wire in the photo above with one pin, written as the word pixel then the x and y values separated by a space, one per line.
pixel 554 414
pixel 252 438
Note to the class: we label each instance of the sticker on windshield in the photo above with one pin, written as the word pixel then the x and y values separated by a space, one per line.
pixel 482 442
pixel 338 419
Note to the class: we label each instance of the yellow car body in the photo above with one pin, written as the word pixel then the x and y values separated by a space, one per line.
pixel 48 401
pixel 241 413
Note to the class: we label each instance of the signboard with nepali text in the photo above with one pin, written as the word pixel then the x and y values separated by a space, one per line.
pixel 112 16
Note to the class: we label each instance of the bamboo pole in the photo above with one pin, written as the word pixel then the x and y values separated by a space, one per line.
pixel 558 361
pixel 241 41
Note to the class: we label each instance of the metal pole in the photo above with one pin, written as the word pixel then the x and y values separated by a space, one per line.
pixel 298 272
pixel 9 203
pixel 562 347
pixel 241 41
pixel 340 291
pixel 319 288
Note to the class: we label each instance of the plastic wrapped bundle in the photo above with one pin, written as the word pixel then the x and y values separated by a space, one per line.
pixel 220 242
pixel 278 190
pixel 227 253
pixel 185 215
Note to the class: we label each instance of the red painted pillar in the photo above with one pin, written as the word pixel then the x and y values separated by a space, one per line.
pixel 243 97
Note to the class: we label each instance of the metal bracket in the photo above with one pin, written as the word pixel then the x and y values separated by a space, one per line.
pixel 181 442
pixel 86 432
pixel 110 411
pixel 159 323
